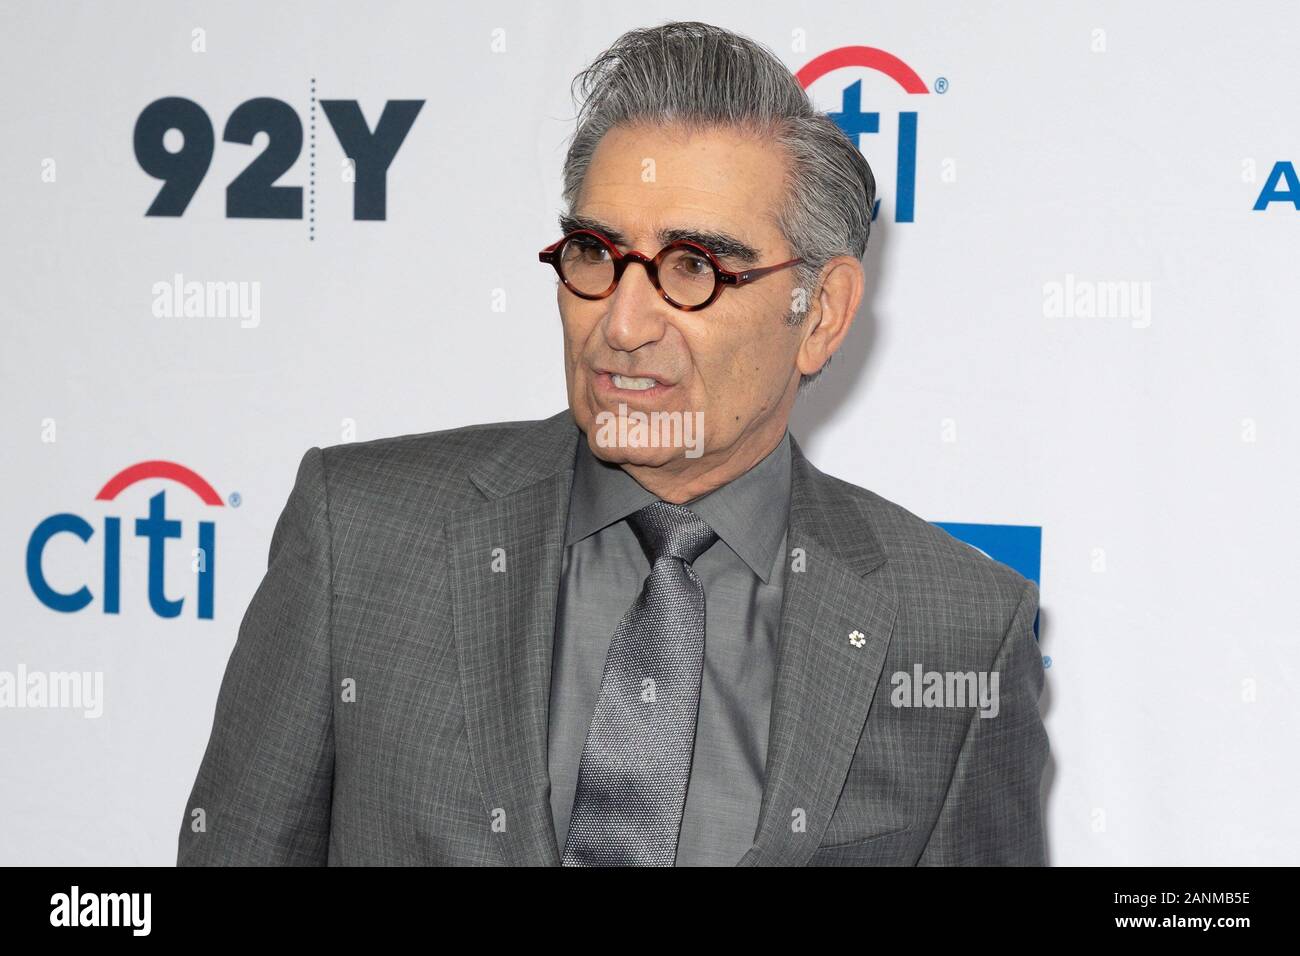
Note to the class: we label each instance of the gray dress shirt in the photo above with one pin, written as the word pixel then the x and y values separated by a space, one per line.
pixel 743 574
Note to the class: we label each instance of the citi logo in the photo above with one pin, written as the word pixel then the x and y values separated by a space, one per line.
pixel 856 122
pixel 156 528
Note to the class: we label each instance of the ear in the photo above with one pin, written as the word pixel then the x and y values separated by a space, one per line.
pixel 831 315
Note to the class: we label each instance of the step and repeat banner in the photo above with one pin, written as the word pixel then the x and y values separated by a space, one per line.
pixel 235 231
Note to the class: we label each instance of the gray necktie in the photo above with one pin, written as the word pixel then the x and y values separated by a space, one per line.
pixel 627 810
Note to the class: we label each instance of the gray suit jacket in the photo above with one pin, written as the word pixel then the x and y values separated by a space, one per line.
pixel 386 700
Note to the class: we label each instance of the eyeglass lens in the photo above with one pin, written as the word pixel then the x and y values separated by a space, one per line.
pixel 685 275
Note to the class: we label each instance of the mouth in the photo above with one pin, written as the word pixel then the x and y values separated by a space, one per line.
pixel 648 386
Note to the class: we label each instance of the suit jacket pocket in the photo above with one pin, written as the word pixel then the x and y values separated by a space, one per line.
pixel 892 848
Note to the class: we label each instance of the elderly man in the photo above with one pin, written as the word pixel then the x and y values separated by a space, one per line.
pixel 645 630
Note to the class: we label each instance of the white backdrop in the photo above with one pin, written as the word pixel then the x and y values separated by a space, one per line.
pixel 1075 150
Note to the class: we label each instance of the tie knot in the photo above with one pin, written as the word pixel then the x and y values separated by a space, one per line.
pixel 664 528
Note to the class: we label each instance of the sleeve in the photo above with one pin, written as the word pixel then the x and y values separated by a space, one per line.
pixel 263 791
pixel 992 814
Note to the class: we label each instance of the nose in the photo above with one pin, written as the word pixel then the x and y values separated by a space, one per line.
pixel 636 311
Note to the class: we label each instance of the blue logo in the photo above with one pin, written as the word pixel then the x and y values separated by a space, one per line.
pixel 1271 193
pixel 1018 546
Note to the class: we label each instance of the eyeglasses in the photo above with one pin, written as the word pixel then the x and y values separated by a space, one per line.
pixel 685 273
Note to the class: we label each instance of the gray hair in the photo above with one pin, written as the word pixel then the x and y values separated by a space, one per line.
pixel 699 75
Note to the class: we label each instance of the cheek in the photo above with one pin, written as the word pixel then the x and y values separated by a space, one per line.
pixel 753 364
pixel 725 358
pixel 579 322
pixel 572 335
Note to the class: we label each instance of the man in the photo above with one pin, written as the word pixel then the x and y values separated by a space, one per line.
pixel 568 642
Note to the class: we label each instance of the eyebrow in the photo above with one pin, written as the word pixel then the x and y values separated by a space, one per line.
pixel 721 244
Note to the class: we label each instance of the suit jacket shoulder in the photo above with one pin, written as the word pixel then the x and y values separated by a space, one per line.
pixel 929 570
pixel 381 492
pixel 433 466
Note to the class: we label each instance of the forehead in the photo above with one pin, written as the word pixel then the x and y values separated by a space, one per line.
pixel 644 178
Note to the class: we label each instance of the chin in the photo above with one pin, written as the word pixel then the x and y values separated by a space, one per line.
pixel 625 455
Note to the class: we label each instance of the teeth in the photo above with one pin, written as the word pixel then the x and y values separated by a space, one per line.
pixel 637 384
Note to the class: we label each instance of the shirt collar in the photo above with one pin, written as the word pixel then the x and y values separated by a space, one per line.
pixel 749 513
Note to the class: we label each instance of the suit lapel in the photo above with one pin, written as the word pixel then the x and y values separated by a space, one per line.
pixel 505 624
pixel 836 622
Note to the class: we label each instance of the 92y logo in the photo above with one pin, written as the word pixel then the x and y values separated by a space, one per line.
pixel 253 193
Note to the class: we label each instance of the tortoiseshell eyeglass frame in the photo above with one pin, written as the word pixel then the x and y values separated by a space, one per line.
pixel 722 278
